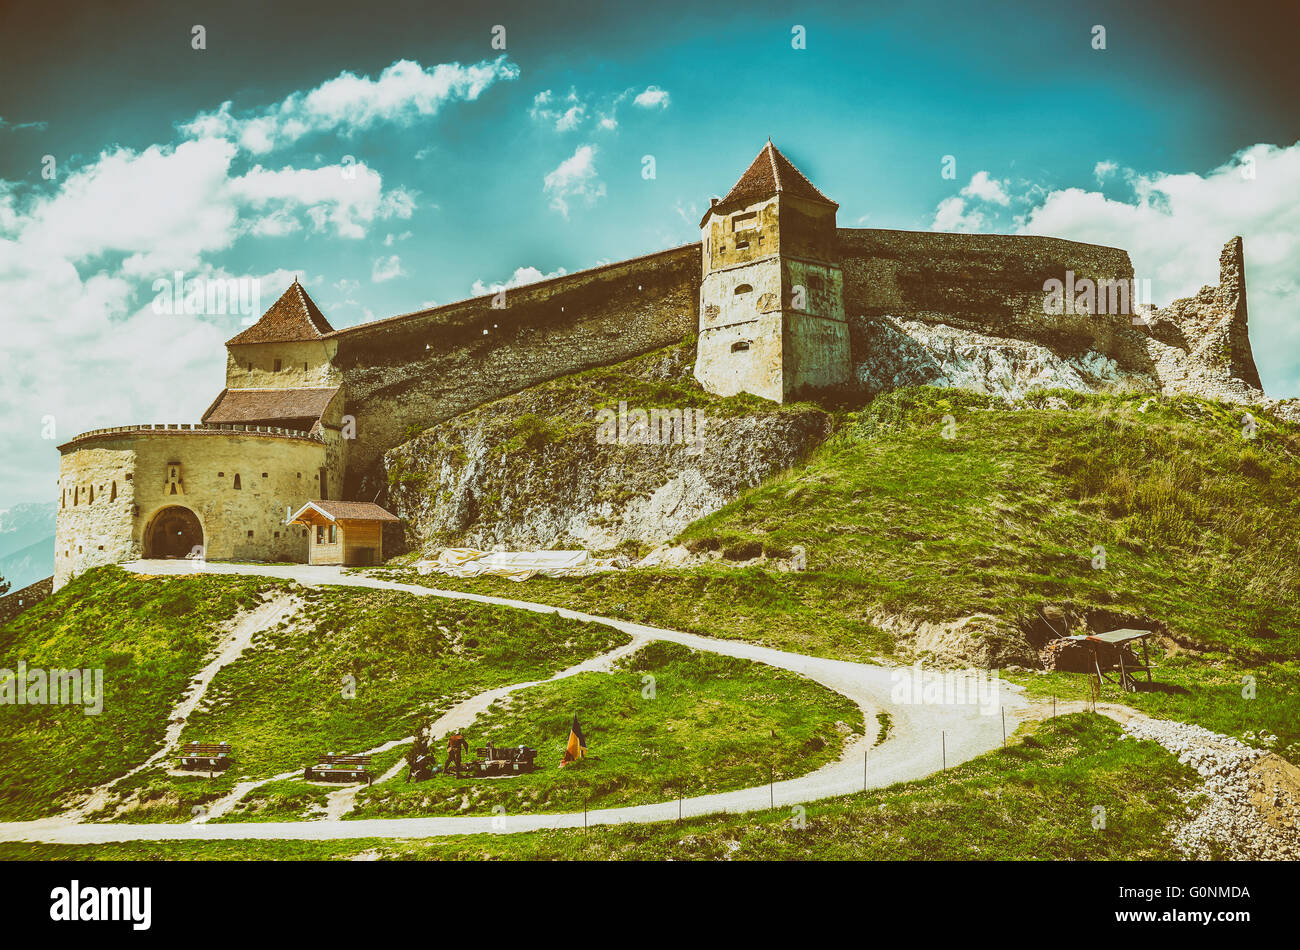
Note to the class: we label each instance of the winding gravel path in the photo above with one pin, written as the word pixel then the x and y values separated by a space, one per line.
pixel 922 734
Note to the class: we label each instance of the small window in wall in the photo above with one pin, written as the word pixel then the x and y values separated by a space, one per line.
pixel 277 534
pixel 127 476
pixel 175 479
pixel 237 485
pixel 740 346
pixel 91 499
pixel 743 289
pixel 63 499
pixel 250 367
pixel 333 534
pixel 113 496
pixel 221 474
pixel 742 245
pixel 304 366
pixel 744 221
pixel 324 483
pixel 264 474
pixel 250 534
pixel 277 366
pixel 320 534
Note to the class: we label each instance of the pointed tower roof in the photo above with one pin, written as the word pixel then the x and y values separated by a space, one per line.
pixel 769 174
pixel 291 319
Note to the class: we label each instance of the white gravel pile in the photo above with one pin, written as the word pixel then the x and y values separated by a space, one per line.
pixel 1227 818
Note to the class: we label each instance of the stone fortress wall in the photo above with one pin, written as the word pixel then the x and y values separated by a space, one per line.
pixel 410 372
pixel 413 371
pixel 920 307
pixel 114 483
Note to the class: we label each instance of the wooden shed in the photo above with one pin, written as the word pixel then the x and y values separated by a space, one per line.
pixel 350 533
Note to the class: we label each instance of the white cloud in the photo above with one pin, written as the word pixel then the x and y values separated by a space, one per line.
pixel 1103 170
pixel 163 206
pixel 652 98
pixel 344 199
pixel 951 215
pixel 570 112
pixel 522 275
pixel 574 178
pixel 563 113
pixel 386 268
pixel 986 188
pixel 403 93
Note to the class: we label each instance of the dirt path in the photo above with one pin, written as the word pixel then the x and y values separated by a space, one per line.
pixel 924 737
pixel 234 641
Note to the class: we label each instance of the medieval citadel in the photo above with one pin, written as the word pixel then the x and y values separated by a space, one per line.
pixel 784 303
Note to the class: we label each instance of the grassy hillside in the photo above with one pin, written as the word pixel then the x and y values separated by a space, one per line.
pixel 410 658
pixel 1034 801
pixel 149 636
pixel 1200 528
pixel 666 721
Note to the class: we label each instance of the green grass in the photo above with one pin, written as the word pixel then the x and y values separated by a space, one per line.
pixel 666 721
pixel 149 636
pixel 1037 800
pixel 365 667
pixel 1198 526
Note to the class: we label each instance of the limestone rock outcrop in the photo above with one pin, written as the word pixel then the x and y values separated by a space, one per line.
pixel 532 470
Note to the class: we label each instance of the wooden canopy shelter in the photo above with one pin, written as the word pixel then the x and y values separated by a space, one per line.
pixel 1115 652
pixel 350 533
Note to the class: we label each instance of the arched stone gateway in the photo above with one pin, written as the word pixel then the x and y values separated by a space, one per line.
pixel 173 532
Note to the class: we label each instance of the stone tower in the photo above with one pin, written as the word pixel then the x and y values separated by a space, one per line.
pixel 771 300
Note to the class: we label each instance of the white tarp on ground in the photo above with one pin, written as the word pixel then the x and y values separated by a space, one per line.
pixel 516 565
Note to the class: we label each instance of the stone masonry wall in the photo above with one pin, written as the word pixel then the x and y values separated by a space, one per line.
pixel 128 471
pixel 411 372
pixel 985 283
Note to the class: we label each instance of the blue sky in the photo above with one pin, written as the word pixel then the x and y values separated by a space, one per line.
pixel 473 165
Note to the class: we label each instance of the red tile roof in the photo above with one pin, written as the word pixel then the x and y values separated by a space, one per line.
pixel 268 406
pixel 347 511
pixel 291 319
pixel 769 174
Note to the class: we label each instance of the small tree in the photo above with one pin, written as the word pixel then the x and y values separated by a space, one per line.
pixel 4 586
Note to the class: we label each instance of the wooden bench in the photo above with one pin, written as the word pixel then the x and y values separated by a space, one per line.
pixel 340 768
pixel 507 761
pixel 206 756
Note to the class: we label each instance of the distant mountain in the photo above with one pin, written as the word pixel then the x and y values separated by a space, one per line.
pixel 27 543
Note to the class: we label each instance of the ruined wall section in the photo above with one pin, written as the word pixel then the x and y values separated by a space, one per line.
pixel 1201 344
pixel 407 373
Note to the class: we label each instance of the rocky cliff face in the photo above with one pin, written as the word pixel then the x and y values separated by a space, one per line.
pixel 891 352
pixel 573 463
